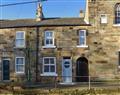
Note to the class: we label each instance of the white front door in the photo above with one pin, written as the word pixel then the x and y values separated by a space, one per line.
pixel 67 71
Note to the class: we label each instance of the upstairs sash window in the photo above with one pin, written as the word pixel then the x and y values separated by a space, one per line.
pixel 117 14
pixel 82 37
pixel 20 39
pixel 49 38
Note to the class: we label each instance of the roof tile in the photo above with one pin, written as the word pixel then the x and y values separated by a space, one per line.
pixel 44 22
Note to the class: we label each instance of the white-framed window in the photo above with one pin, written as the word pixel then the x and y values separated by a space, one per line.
pixel 20 39
pixel 49 38
pixel 20 64
pixel 103 18
pixel 82 38
pixel 49 65
pixel 117 13
pixel 119 59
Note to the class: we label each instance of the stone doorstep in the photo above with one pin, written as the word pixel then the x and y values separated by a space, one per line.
pixel 17 88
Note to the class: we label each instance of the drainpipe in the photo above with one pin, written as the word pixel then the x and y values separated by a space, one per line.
pixel 37 53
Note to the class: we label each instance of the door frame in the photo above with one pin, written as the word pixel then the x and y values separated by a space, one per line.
pixel 3 69
pixel 63 65
pixel 85 65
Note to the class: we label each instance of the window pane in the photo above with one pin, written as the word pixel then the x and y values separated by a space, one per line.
pixel 46 68
pixel 51 60
pixel 82 41
pixel 117 20
pixel 19 68
pixel 46 61
pixel 19 60
pixel 20 43
pixel 50 34
pixel 47 41
pixel 82 33
pixel 19 35
pixel 119 14
pixel 47 34
pixel 119 59
pixel 52 68
pixel 51 41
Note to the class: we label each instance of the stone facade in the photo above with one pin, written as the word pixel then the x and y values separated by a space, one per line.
pixel 102 40
pixel 9 51
pixel 105 40
pixel 66 45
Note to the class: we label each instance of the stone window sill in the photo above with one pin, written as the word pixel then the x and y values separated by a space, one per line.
pixel 49 47
pixel 116 25
pixel 20 73
pixel 19 47
pixel 82 46
pixel 6 81
pixel 49 74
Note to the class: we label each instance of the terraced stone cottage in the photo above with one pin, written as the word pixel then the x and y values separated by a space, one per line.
pixel 68 49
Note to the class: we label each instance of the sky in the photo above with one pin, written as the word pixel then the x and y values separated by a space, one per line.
pixel 51 8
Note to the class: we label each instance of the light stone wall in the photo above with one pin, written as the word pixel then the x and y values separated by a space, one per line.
pixel 66 45
pixel 102 51
pixel 105 40
pixel 8 50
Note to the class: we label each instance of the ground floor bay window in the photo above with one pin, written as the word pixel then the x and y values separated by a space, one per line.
pixel 49 66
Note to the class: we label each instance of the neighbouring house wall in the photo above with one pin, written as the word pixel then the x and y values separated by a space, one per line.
pixel 8 50
pixel 105 39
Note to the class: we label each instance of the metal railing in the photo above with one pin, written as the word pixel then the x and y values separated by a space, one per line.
pixel 69 81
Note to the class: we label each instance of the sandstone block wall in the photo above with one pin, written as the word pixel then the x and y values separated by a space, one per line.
pixel 105 39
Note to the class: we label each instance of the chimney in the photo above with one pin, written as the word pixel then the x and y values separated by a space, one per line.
pixel 39 13
pixel 86 19
pixel 81 15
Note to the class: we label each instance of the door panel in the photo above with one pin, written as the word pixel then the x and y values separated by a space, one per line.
pixel 67 71
pixel 82 71
pixel 6 71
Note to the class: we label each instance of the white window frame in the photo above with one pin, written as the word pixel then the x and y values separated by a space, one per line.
pixel 117 11
pixel 84 45
pixel 53 41
pixel 20 39
pixel 119 59
pixel 49 73
pixel 103 20
pixel 21 72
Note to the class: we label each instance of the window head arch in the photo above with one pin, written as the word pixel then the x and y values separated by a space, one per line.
pixel 117 13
